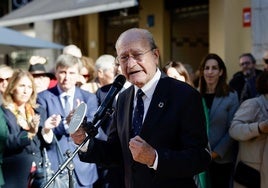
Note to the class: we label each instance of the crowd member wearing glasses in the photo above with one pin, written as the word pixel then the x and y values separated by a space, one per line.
pixel 105 72
pixel 88 75
pixel 166 145
pixel 5 74
pixel 244 80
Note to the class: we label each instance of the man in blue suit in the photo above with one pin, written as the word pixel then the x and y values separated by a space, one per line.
pixel 163 142
pixel 61 99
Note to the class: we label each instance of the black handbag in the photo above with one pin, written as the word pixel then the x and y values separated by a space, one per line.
pixel 247 176
pixel 43 173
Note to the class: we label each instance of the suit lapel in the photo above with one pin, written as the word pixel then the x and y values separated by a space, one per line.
pixel 56 101
pixel 77 95
pixel 157 105
pixel 215 104
pixel 128 113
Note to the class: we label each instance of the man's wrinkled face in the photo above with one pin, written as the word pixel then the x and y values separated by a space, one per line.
pixel 136 58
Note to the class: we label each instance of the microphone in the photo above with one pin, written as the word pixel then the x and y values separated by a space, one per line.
pixel 115 88
pixel 78 117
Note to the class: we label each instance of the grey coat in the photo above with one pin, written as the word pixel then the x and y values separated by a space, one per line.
pixel 253 146
pixel 220 117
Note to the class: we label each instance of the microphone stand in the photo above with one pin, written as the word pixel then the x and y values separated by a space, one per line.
pixel 92 131
pixel 70 168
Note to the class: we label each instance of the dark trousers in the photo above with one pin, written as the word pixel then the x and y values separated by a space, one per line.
pixel 221 175
pixel 110 178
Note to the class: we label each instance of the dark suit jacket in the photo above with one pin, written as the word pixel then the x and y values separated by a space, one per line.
pixel 50 99
pixel 20 151
pixel 109 177
pixel 238 82
pixel 174 125
pixel 101 95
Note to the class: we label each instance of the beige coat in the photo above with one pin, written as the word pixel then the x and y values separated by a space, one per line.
pixel 253 146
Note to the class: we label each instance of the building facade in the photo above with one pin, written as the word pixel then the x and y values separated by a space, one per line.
pixel 184 30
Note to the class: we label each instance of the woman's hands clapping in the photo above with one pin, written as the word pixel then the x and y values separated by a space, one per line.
pixel 33 126
pixel 52 122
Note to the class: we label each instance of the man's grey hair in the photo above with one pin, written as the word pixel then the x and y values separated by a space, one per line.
pixel 105 62
pixel 144 32
pixel 67 60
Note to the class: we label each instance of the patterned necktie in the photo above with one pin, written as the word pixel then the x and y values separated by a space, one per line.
pixel 67 107
pixel 138 113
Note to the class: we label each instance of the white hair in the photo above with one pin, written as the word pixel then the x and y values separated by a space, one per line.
pixel 105 62
pixel 72 50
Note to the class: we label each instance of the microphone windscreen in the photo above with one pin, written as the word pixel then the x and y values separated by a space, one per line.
pixel 77 118
pixel 119 81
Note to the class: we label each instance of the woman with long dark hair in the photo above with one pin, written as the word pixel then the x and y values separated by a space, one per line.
pixel 220 104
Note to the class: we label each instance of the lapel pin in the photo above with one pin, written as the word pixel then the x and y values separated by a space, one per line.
pixel 161 105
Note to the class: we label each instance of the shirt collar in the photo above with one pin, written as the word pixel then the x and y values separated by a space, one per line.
pixel 148 89
pixel 70 92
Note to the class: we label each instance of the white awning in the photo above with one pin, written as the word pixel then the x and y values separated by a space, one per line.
pixel 11 40
pixel 38 10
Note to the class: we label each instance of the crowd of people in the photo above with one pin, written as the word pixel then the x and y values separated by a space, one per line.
pixel 168 129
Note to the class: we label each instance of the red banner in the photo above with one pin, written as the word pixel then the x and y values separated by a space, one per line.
pixel 246 17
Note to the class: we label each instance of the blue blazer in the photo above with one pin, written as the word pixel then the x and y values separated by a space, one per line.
pixel 220 116
pixel 86 173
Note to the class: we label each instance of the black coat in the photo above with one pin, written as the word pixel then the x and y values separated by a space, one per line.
pixel 238 82
pixel 174 125
pixel 20 151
